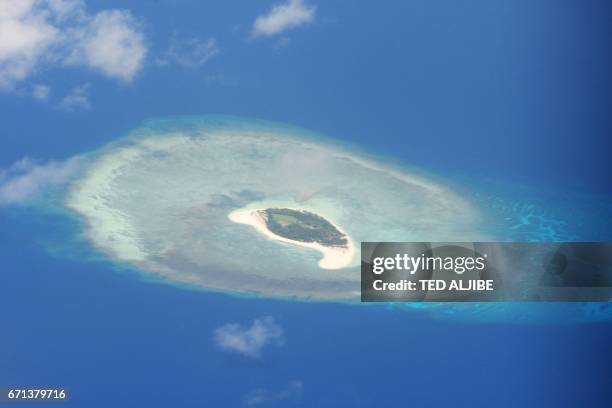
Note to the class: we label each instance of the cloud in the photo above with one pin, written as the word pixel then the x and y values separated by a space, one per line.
pixel 262 396
pixel 25 179
pixel 60 32
pixel 191 52
pixel 283 17
pixel 25 34
pixel 41 92
pixel 112 44
pixel 77 99
pixel 302 172
pixel 249 341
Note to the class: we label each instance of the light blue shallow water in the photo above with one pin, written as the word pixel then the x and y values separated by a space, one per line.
pixel 511 213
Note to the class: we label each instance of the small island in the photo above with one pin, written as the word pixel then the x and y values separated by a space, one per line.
pixel 303 228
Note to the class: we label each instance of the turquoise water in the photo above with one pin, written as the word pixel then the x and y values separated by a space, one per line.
pixel 510 213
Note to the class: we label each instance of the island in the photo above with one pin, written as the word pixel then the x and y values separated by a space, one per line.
pixel 303 228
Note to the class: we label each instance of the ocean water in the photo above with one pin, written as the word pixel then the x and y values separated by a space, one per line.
pixel 71 317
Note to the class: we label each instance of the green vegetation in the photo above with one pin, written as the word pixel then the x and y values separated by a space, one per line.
pixel 303 226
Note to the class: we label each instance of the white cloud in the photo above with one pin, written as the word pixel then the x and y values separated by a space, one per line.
pixel 283 17
pixel 263 396
pixel 33 32
pixel 25 35
pixel 190 53
pixel 25 179
pixel 41 92
pixel 77 99
pixel 112 44
pixel 249 341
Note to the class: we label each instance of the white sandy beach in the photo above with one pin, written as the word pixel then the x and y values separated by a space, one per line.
pixel 333 257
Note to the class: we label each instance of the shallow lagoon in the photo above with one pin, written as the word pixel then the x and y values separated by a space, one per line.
pixel 158 200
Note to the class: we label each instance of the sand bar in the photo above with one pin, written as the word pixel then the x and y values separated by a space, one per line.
pixel 334 257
